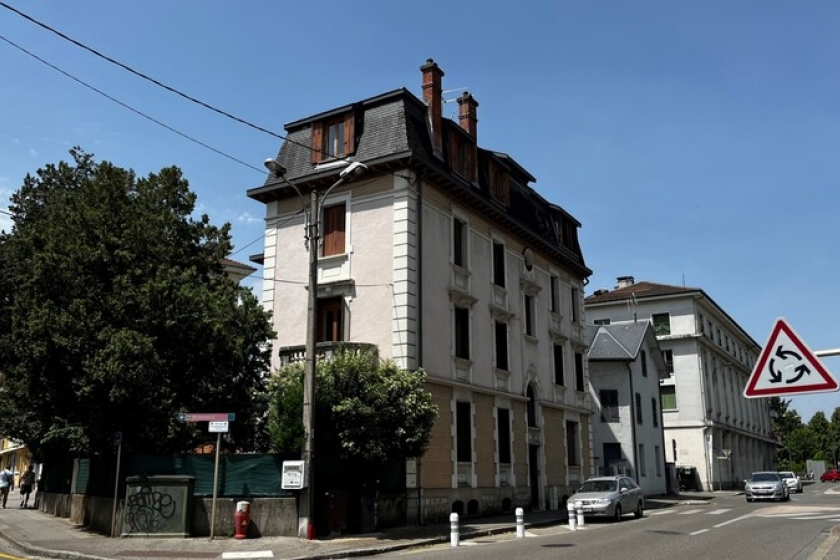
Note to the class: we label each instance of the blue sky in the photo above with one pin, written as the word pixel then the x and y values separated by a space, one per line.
pixel 696 141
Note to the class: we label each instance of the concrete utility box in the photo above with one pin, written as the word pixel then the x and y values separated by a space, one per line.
pixel 158 506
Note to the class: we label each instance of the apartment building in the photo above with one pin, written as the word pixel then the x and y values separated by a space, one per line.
pixel 444 257
pixel 709 427
pixel 625 367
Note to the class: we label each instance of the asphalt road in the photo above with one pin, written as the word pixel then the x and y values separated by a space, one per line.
pixel 722 528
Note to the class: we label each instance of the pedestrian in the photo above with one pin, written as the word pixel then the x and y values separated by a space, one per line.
pixel 7 483
pixel 27 479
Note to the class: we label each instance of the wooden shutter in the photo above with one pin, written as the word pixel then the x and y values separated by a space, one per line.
pixel 334 220
pixel 349 135
pixel 317 142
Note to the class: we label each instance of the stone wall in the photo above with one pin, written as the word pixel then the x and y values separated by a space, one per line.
pixel 270 517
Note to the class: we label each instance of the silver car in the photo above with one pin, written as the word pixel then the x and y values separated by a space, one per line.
pixel 609 496
pixel 794 483
pixel 766 485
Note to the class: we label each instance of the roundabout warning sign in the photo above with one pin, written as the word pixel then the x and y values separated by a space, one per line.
pixel 787 366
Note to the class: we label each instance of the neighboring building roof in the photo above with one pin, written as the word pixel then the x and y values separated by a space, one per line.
pixel 649 290
pixel 237 270
pixel 392 133
pixel 623 342
pixel 640 290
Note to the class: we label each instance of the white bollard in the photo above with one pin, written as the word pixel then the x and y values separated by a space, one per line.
pixel 454 537
pixel 570 508
pixel 579 509
pixel 520 523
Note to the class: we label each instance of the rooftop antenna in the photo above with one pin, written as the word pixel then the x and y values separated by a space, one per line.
pixel 445 100
pixel 631 305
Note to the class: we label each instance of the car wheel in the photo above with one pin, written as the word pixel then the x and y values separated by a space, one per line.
pixel 749 500
pixel 640 511
pixel 617 514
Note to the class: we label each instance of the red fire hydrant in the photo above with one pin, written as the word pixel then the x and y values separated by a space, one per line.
pixel 242 518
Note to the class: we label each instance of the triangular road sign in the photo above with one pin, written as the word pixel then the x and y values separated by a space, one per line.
pixel 787 366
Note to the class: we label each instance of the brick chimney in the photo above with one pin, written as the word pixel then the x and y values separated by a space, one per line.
pixel 467 113
pixel 433 96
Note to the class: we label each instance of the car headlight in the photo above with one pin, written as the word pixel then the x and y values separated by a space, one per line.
pixel 604 502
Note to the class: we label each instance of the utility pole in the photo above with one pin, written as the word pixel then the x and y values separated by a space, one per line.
pixel 306 528
pixel 307 504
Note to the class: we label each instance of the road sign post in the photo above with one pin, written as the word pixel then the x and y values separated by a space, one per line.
pixel 218 423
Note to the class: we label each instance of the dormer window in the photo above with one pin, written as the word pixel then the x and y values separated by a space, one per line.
pixel 333 138
pixel 461 158
pixel 499 185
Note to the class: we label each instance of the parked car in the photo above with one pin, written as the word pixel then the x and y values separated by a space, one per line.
pixel 766 485
pixel 794 483
pixel 610 496
pixel 831 475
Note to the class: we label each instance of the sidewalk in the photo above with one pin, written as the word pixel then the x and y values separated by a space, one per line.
pixel 44 535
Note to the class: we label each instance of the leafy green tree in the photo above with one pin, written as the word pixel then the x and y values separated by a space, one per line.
pixel 833 436
pixel 820 427
pixel 802 444
pixel 785 422
pixel 117 314
pixel 365 409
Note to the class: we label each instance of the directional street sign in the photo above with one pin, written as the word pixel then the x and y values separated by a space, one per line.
pixel 787 366
pixel 207 416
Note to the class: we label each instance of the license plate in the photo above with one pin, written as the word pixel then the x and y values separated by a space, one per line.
pixel 587 509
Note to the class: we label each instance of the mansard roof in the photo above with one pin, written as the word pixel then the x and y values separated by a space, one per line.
pixel 392 133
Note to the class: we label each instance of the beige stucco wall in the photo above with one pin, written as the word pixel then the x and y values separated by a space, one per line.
pixel 436 471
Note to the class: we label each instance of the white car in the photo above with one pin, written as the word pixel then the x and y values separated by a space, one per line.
pixel 610 496
pixel 794 483
pixel 766 485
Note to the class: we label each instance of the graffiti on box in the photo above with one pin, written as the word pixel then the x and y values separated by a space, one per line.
pixel 148 511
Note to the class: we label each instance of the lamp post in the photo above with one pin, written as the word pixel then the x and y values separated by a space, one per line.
pixel 306 518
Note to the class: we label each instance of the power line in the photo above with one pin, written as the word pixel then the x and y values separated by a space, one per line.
pixel 138 73
pixel 129 107
pixel 155 81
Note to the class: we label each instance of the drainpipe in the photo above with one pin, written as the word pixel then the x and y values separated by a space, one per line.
pixel 419 321
pixel 633 424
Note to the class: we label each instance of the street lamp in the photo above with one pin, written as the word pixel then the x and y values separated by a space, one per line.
pixel 306 519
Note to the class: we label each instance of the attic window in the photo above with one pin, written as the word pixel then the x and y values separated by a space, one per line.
pixel 333 138
pixel 461 158
pixel 499 185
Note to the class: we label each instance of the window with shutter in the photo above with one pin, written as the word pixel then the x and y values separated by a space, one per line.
pixel 329 326
pixel 333 138
pixel 334 223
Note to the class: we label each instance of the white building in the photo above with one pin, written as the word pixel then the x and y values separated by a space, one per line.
pixel 442 256
pixel 625 366
pixel 710 427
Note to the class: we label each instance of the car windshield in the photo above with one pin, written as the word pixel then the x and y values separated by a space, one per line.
pixel 764 477
pixel 598 486
pixel 787 474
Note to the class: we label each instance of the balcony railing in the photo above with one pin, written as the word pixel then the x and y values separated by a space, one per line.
pixel 323 350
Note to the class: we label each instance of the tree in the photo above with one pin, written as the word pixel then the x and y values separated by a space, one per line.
pixel 374 411
pixel 785 422
pixel 819 426
pixel 117 314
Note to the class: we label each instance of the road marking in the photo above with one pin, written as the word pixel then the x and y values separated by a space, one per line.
pixel 254 554
pixel 661 512
pixel 690 511
pixel 719 511
pixel 701 531
pixel 747 516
